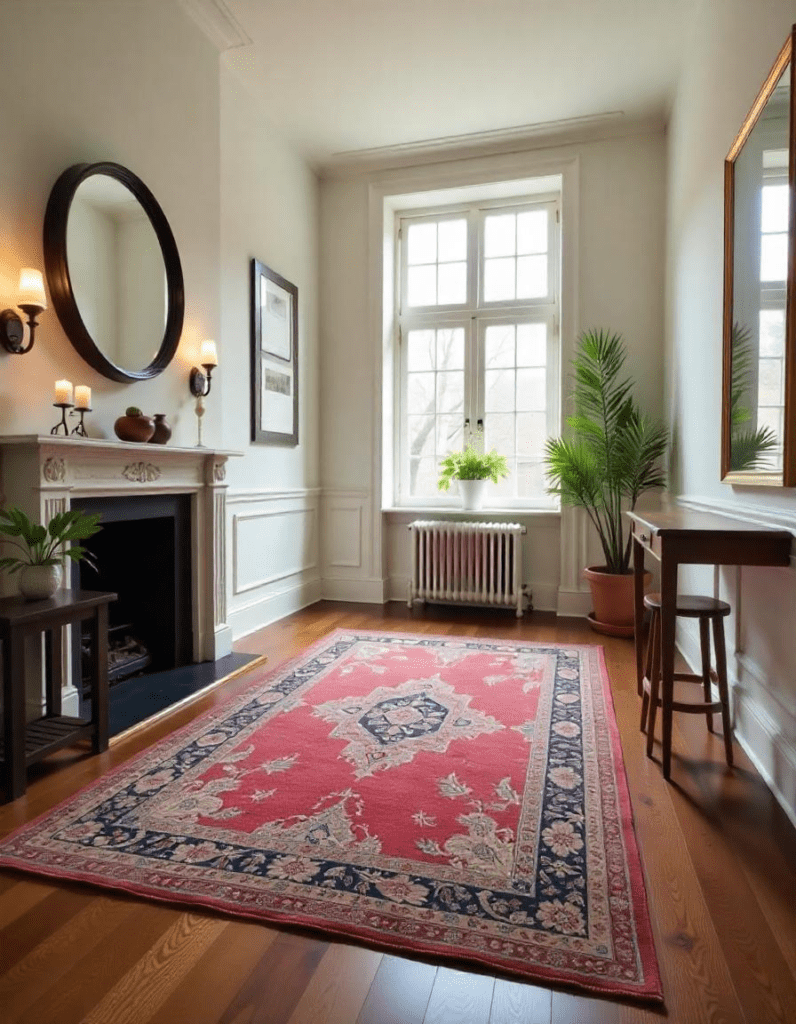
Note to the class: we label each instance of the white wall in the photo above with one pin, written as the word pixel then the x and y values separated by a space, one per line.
pixel 732 48
pixel 138 83
pixel 269 210
pixel 132 83
pixel 614 253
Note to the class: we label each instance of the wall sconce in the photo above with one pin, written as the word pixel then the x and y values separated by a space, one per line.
pixel 200 382
pixel 31 300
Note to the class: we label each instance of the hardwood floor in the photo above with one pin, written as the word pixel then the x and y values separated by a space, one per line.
pixel 718 853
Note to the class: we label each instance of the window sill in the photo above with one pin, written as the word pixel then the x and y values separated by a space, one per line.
pixel 429 511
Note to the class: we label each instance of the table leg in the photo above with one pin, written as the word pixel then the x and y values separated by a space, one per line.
pixel 55 680
pixel 99 679
pixel 14 714
pixel 638 581
pixel 668 621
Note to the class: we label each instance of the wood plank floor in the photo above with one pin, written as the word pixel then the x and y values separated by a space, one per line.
pixel 719 857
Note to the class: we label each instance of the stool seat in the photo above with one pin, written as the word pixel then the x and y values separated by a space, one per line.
pixel 708 610
pixel 691 606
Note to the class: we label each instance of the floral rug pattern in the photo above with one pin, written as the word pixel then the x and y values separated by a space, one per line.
pixel 454 796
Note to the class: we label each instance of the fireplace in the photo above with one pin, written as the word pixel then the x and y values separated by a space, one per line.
pixel 143 554
pixel 48 474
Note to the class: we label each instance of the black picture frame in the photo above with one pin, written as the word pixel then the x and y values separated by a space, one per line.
pixel 274 357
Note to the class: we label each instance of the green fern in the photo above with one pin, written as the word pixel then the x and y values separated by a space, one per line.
pixel 472 464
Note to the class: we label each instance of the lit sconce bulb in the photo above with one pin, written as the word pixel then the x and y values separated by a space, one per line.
pixel 31 289
pixel 209 355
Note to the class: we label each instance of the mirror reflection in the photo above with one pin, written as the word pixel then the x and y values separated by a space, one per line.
pixel 117 272
pixel 760 273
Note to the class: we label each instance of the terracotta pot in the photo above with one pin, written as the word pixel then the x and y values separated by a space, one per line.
pixel 162 429
pixel 613 596
pixel 134 428
pixel 38 582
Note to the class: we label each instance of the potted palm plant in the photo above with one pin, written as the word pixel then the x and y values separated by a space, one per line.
pixel 43 548
pixel 611 456
pixel 472 468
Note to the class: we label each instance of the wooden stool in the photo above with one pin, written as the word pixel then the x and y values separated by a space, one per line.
pixel 707 610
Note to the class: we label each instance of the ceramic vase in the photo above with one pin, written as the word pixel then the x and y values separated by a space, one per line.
pixel 38 582
pixel 134 428
pixel 472 493
pixel 162 429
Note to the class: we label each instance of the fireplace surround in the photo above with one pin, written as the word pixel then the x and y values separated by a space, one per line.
pixel 45 474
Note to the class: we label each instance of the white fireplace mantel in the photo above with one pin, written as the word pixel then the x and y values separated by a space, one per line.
pixel 43 475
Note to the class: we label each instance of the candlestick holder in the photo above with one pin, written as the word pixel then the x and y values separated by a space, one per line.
pixel 80 411
pixel 63 406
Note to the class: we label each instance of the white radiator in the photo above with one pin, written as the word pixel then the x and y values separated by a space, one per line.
pixel 476 563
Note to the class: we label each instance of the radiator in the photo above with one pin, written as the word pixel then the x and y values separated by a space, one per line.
pixel 474 563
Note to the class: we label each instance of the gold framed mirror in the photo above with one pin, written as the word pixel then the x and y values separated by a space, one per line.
pixel 759 368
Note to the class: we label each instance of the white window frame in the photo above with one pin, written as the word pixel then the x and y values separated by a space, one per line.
pixel 475 316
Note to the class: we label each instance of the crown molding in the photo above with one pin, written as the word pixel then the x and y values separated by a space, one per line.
pixel 502 141
pixel 215 19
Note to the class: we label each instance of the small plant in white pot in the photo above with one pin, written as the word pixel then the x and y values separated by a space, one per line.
pixel 43 548
pixel 472 468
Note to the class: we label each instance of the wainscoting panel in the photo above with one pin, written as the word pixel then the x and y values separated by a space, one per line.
pixel 348 574
pixel 761 650
pixel 273 544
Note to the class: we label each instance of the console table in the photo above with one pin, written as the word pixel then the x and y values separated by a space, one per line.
pixel 680 536
pixel 24 744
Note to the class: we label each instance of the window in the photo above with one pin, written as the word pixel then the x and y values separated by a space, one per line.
pixel 478 322
pixel 773 277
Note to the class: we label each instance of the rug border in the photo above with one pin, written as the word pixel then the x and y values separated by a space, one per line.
pixel 651 991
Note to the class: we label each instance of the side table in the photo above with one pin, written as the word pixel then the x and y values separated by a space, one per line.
pixel 22 743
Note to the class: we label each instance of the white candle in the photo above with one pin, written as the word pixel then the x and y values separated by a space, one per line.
pixel 82 397
pixel 63 392
pixel 209 356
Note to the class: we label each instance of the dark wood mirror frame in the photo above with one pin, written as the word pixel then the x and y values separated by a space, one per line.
pixel 60 285
pixel 788 476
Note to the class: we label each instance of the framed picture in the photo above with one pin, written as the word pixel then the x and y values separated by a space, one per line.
pixel 274 376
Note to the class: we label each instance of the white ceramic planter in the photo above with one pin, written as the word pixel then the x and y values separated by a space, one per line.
pixel 472 492
pixel 38 582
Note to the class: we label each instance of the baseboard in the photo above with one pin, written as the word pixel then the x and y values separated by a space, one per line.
pixel 366 591
pixel 274 605
pixel 769 750
pixel 573 602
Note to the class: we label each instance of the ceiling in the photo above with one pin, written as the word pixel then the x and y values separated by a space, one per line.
pixel 339 76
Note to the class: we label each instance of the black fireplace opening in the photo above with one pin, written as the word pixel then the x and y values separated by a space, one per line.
pixel 143 554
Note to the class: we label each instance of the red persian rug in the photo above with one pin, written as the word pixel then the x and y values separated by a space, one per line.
pixel 458 797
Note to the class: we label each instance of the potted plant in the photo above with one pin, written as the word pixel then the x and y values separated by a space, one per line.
pixel 472 468
pixel 611 457
pixel 42 548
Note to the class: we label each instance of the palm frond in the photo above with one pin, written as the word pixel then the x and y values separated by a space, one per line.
pixel 614 453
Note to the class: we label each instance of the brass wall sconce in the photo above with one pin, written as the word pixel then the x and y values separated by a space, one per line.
pixel 31 300
pixel 200 382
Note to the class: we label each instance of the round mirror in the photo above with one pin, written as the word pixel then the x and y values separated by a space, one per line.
pixel 114 271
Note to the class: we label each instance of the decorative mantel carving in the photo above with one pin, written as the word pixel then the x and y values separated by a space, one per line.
pixel 219 472
pixel 141 472
pixel 54 471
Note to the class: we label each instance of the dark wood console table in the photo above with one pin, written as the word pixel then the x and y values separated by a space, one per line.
pixel 23 744
pixel 679 536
